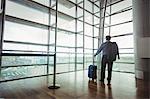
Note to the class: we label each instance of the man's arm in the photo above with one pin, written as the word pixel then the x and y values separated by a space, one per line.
pixel 118 51
pixel 99 50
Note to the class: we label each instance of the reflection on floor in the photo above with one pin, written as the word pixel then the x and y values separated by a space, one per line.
pixel 76 85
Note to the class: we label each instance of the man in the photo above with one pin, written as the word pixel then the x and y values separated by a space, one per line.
pixel 109 52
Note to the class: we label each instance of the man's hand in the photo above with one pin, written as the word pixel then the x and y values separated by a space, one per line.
pixel 118 57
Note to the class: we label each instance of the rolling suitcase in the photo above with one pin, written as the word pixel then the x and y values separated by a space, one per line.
pixel 92 72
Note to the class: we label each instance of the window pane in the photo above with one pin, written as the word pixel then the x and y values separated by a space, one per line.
pixel 88 5
pixel 17 10
pixel 128 58
pixel 124 41
pixel 23 60
pixel 66 24
pixel 88 42
pixel 20 72
pixel 88 30
pixel 124 67
pixel 122 29
pixel 24 47
pixel 88 18
pixel 66 7
pixel 126 50
pixel 80 27
pixel 65 39
pixel 121 17
pixel 121 5
pixel 95 43
pixel 24 33
pixel 79 40
pixel 45 2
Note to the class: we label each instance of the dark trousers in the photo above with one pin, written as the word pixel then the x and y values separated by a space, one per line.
pixel 103 66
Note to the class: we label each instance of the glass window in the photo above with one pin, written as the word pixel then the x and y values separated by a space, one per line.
pixel 96 20
pixel 65 39
pixel 126 50
pixel 122 5
pixel 80 27
pixel 96 9
pixel 127 58
pixel 124 41
pixel 88 30
pixel 45 2
pixel 88 42
pixel 23 60
pixel 88 5
pixel 121 17
pixel 88 18
pixel 79 12
pixel 66 23
pixel 79 40
pixel 66 7
pixel 124 67
pixel 21 11
pixel 21 72
pixel 24 47
pixel 88 51
pixel 122 29
pixel 96 32
pixel 95 43
pixel 24 33
pixel 80 50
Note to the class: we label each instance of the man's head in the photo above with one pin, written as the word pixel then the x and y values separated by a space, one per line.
pixel 108 38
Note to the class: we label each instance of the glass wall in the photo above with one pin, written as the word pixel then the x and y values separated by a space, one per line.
pixel 37 29
pixel 118 24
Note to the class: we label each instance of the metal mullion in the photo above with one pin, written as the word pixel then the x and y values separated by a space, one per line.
pixel 83 33
pixel 20 54
pixel 93 30
pixel 23 65
pixel 126 53
pixel 85 22
pixel 127 34
pixel 89 48
pixel 110 19
pixel 2 23
pixel 100 21
pixel 125 62
pixel 66 30
pixel 76 14
pixel 126 48
pixel 25 51
pixel 18 42
pixel 55 56
pixel 104 20
pixel 48 41
pixel 88 36
pixel 22 78
pixel 26 22
pixel 118 24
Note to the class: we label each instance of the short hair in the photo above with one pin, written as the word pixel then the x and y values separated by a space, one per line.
pixel 108 37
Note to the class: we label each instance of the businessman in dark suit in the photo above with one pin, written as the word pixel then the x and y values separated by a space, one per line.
pixel 109 52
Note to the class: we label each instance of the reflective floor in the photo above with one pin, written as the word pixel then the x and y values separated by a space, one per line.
pixel 76 85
